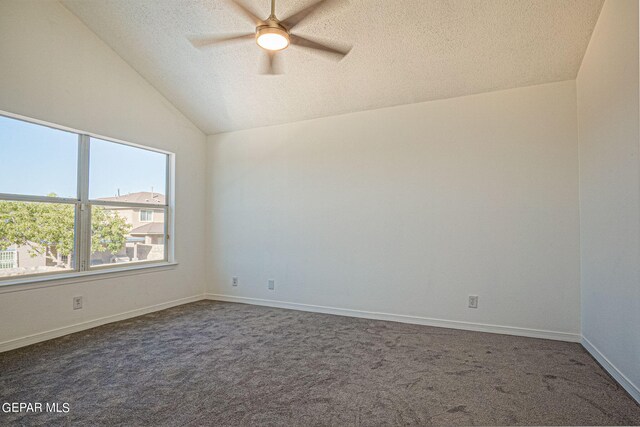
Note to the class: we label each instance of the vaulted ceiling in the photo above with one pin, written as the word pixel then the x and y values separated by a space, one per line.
pixel 404 51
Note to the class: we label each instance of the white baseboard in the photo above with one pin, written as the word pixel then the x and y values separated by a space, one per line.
pixel 56 333
pixel 625 382
pixel 453 324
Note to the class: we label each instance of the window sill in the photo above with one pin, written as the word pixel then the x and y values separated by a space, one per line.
pixel 35 282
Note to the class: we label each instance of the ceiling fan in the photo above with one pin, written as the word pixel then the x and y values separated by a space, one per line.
pixel 274 35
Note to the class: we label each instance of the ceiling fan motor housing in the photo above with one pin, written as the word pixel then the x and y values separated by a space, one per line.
pixel 272 36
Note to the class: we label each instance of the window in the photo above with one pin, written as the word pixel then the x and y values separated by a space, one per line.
pixel 74 202
pixel 146 215
pixel 49 169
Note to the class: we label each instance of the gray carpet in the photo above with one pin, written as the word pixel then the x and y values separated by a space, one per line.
pixel 212 363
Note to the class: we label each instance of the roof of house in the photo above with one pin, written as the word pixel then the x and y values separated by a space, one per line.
pixel 149 228
pixel 139 197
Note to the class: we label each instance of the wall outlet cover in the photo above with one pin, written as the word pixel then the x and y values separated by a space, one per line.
pixel 473 301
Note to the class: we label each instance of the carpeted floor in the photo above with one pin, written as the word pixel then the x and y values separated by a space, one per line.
pixel 212 363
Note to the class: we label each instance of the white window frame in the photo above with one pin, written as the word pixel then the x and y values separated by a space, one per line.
pixel 82 233
pixel 145 220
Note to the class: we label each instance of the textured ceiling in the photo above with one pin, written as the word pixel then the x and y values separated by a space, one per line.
pixel 404 51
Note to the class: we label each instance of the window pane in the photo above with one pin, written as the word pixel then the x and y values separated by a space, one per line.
pixel 119 236
pixel 37 160
pixel 146 215
pixel 118 169
pixel 36 238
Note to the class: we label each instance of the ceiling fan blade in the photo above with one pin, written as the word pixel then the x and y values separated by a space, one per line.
pixel 272 64
pixel 293 20
pixel 212 41
pixel 309 44
pixel 246 12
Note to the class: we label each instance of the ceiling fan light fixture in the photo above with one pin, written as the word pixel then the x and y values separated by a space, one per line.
pixel 272 38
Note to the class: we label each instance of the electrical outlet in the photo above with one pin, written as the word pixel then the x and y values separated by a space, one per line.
pixel 473 301
pixel 234 281
pixel 272 284
pixel 77 303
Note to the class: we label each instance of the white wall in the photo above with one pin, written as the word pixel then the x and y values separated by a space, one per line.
pixel 57 70
pixel 408 210
pixel 608 117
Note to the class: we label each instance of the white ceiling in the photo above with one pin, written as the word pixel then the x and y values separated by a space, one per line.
pixel 404 51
